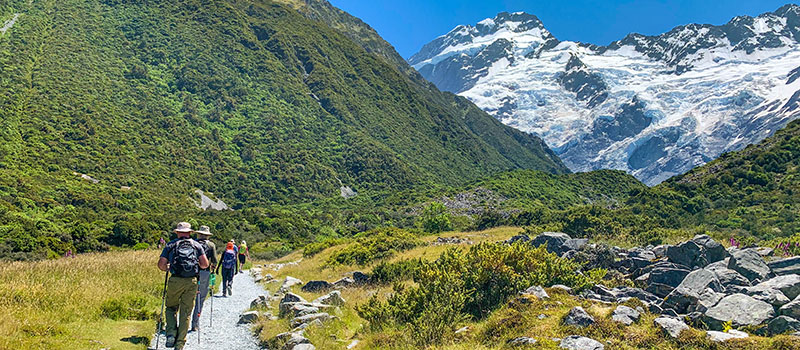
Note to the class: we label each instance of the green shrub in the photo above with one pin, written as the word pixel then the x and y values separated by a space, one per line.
pixel 470 284
pixel 312 249
pixel 375 245
pixel 435 218
pixel 385 273
pixel 141 246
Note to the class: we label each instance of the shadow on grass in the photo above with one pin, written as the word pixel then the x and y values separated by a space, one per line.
pixel 136 340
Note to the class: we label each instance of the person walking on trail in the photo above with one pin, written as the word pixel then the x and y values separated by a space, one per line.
pixel 183 258
pixel 244 253
pixel 210 250
pixel 228 264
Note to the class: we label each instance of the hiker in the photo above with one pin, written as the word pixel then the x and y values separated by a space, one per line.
pixel 161 243
pixel 203 235
pixel 183 258
pixel 236 251
pixel 228 264
pixel 244 253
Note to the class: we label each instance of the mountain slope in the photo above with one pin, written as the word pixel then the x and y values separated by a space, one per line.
pixel 654 106
pixel 245 99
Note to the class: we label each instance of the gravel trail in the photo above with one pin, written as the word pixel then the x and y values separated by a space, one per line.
pixel 225 332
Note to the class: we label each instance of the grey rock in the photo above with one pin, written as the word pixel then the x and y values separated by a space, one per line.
pixel 791 309
pixel 563 287
pixel 765 252
pixel 789 285
pixel 687 253
pixel 786 266
pixel 322 316
pixel 772 296
pixel 317 286
pixel 521 341
pixel 344 282
pixel 782 324
pixel 625 315
pixel 248 317
pixel 518 238
pixel 670 326
pixel 719 337
pixel 707 299
pixel 332 298
pixel 742 310
pixel 688 292
pixel 304 347
pixel 262 302
pixel 536 291
pixel 661 250
pixel 553 241
pixel 750 264
pixel 288 340
pixel 574 244
pixel 288 282
pixel 729 278
pixel 578 317
pixel 713 251
pixel 360 277
pixel 668 276
pixel 575 342
pixel 292 298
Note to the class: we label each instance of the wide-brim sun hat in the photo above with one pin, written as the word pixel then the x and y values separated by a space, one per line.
pixel 183 227
pixel 204 230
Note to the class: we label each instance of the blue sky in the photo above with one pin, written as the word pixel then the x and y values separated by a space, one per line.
pixel 409 24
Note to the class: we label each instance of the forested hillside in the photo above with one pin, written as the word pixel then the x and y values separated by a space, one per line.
pixel 245 99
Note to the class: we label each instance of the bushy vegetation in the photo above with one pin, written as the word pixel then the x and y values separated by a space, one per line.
pixel 435 218
pixel 375 245
pixel 461 285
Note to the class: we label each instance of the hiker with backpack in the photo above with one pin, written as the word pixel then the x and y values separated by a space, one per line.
pixel 210 251
pixel 244 253
pixel 182 258
pixel 228 265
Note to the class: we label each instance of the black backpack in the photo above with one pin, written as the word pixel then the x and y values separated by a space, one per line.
pixel 185 262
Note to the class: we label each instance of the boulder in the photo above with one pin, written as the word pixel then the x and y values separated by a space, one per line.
pixel 706 300
pixel 728 278
pixel 300 309
pixel 765 252
pixel 574 244
pixel 566 289
pixel 248 317
pixel 789 285
pixel 687 253
pixel 742 310
pixel 791 309
pixel 553 241
pixel 670 326
pixel 578 317
pixel 518 238
pixel 344 282
pixel 750 264
pixel 262 302
pixel 304 347
pixel 661 250
pixel 782 324
pixel 788 266
pixel 662 280
pixel 287 340
pixel 321 316
pixel 624 293
pixel 288 282
pixel 719 337
pixel 317 286
pixel 576 342
pixel 360 277
pixel 332 298
pixel 625 315
pixel 688 292
pixel 292 298
pixel 773 297
pixel 713 250
pixel 521 341
pixel 536 291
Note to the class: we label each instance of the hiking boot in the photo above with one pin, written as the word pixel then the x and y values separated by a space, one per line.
pixel 170 341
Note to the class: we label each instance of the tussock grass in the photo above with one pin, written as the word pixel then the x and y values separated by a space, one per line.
pixel 59 304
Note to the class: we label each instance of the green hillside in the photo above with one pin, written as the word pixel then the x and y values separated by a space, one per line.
pixel 246 99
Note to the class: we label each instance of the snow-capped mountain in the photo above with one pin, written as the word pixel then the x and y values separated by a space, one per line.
pixel 655 106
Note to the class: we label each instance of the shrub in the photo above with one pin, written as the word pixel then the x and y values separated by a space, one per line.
pixel 375 245
pixel 435 218
pixel 385 273
pixel 315 248
pixel 470 284
pixel 141 246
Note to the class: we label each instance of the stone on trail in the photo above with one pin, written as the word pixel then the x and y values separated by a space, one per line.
pixel 719 337
pixel 332 298
pixel 670 326
pixel 625 315
pixel 262 302
pixel 741 310
pixel 536 291
pixel 576 342
pixel 782 324
pixel 316 286
pixel 521 341
pixel 249 317
pixel 578 317
pixel 750 264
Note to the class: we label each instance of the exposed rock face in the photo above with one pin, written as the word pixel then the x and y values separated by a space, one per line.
pixel 536 291
pixel 791 309
pixel 689 291
pixel 786 266
pixel 553 241
pixel 625 315
pixel 789 285
pixel 578 317
pixel 782 324
pixel 719 337
pixel 741 310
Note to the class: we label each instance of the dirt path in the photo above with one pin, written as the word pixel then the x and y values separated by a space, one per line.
pixel 225 332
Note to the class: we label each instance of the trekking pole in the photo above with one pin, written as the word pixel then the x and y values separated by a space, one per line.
pixel 198 315
pixel 211 292
pixel 161 311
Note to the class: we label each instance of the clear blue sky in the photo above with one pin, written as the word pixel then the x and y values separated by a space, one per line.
pixel 409 24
